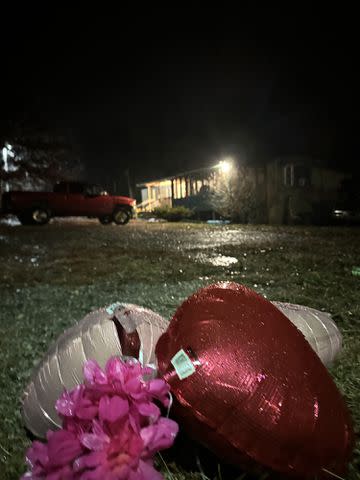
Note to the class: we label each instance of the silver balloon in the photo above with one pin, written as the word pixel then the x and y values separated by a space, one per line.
pixel 120 329
pixel 318 328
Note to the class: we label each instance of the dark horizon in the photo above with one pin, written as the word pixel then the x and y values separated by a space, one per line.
pixel 159 95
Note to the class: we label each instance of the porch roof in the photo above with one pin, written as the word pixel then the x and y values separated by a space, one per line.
pixel 177 175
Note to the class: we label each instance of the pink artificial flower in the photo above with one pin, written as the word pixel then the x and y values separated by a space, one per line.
pixel 112 409
pixel 117 457
pixel 54 460
pixel 37 459
pixel 159 436
pixel 77 403
pixel 126 380
pixel 93 373
pixel 111 427
pixel 159 389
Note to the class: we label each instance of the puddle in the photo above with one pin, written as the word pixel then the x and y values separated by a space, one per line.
pixel 216 260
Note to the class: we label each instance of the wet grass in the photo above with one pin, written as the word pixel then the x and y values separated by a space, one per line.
pixel 52 276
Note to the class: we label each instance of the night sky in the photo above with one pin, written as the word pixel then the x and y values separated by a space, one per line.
pixel 160 91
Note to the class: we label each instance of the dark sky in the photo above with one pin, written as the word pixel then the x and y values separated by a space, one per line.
pixel 164 90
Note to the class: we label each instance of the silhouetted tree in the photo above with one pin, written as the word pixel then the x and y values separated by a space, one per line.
pixel 36 161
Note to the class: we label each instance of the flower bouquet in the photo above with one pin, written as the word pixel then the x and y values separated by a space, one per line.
pixel 112 427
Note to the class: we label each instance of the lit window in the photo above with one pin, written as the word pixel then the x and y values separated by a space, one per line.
pixel 183 188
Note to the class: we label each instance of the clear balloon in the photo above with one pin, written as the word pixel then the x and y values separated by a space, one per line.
pixel 318 328
pixel 124 330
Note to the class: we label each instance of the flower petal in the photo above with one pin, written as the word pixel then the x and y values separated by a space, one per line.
pixel 63 447
pixel 65 473
pixel 92 441
pixel 113 409
pixel 93 373
pixel 133 386
pixel 160 435
pixel 37 454
pixel 147 472
pixel 149 409
pixel 96 474
pixel 90 460
pixel 65 405
pixel 115 369
pixel 159 389
pixel 86 411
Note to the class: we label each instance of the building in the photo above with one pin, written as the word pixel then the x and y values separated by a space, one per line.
pixel 301 190
pixel 289 189
pixel 187 188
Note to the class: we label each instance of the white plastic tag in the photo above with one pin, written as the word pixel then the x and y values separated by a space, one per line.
pixel 111 308
pixel 182 364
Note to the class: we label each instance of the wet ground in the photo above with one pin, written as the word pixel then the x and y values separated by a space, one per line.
pixel 52 276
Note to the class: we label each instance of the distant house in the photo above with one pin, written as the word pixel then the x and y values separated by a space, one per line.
pixel 299 189
pixel 187 188
pixel 291 189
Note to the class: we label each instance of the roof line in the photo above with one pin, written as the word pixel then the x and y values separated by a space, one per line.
pixel 172 177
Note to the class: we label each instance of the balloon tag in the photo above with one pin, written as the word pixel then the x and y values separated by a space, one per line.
pixel 182 364
pixel 111 308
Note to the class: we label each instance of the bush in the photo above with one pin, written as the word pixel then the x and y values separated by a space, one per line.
pixel 173 214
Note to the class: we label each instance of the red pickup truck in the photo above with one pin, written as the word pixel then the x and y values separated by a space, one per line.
pixel 68 199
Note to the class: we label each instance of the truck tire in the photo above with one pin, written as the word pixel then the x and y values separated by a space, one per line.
pixel 105 220
pixel 40 216
pixel 121 216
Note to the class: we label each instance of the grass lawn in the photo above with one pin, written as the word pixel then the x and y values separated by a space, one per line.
pixel 52 276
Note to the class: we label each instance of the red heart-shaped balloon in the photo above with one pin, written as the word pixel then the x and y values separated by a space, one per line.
pixel 252 388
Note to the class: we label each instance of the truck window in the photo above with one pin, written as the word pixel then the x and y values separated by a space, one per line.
pixel 94 190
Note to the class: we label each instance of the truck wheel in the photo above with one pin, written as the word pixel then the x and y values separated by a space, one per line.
pixel 121 216
pixel 40 216
pixel 105 220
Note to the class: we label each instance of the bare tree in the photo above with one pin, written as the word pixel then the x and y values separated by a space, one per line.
pixel 236 197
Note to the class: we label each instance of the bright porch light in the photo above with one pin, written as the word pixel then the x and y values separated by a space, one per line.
pixel 225 166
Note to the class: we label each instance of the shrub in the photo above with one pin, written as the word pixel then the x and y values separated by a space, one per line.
pixel 173 214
